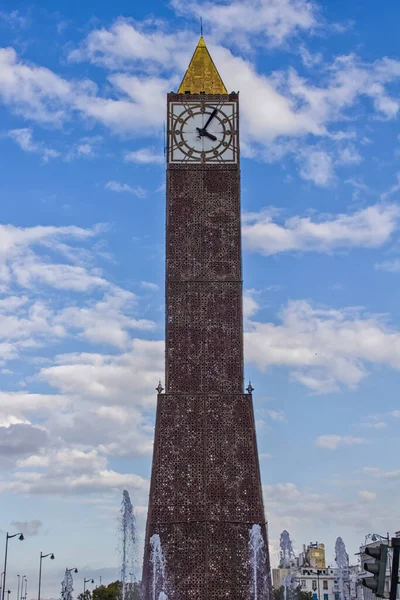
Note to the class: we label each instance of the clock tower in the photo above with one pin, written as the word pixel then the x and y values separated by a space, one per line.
pixel 205 492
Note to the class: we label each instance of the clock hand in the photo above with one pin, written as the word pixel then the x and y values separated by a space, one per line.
pixel 204 133
pixel 210 118
pixel 210 135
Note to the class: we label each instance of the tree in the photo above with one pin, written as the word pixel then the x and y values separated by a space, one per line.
pixel 86 596
pixel 112 591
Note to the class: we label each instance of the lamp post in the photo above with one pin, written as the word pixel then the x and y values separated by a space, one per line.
pixel 85 581
pixel 42 556
pixel 22 587
pixel 23 594
pixel 19 579
pixel 1 582
pixel 8 537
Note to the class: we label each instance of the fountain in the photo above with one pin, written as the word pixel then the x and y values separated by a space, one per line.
pixel 258 565
pixel 342 561
pixel 128 535
pixel 287 561
pixel 67 586
pixel 158 566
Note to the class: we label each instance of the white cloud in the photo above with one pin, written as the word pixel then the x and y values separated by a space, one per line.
pixel 34 92
pixel 59 460
pixel 369 228
pixel 149 285
pixel 64 483
pixel 250 304
pixel 275 21
pixel 39 94
pixel 366 495
pixel 30 271
pixel 116 186
pixel 381 474
pixel 332 442
pixel 129 43
pixel 110 378
pixel 105 321
pixel 391 266
pixel 324 348
pixel 145 156
pixel 349 156
pixel 14 19
pixel 85 148
pixel 317 167
pixel 14 240
pixel 24 139
pixel 276 415
pixel 393 189
pixel 20 439
pixel 374 425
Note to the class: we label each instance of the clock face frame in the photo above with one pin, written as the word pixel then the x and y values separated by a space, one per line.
pixel 185 145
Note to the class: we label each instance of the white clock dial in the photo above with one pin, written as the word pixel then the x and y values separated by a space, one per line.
pixel 203 133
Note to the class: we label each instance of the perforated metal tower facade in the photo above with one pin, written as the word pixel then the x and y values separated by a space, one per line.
pixel 205 492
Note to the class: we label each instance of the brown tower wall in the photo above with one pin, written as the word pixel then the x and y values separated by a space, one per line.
pixel 205 491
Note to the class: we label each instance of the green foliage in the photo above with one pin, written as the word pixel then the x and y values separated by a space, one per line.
pixel 86 596
pixel 113 591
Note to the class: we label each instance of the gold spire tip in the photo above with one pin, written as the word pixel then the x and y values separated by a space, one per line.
pixel 202 74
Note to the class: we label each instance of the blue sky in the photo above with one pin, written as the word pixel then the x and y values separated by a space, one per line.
pixel 82 106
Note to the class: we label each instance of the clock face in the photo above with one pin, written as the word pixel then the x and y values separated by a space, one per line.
pixel 202 132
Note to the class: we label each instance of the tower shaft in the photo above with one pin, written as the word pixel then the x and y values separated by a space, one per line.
pixel 205 492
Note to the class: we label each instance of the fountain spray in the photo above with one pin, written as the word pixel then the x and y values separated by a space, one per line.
pixel 258 565
pixel 342 561
pixel 128 534
pixel 287 561
pixel 158 563
pixel 67 585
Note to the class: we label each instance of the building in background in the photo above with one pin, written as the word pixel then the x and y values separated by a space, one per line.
pixel 322 583
pixel 315 555
pixel 311 575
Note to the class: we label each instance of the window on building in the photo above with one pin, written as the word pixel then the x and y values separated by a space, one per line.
pixel 337 596
pixel 325 585
pixel 303 583
pixel 326 596
pixel 314 584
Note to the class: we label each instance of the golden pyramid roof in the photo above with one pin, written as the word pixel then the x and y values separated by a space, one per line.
pixel 202 74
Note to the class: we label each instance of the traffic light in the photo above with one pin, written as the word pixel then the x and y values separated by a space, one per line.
pixel 378 568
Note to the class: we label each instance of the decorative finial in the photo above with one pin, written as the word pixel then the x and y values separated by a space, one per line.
pixel 201 26
pixel 159 388
pixel 249 388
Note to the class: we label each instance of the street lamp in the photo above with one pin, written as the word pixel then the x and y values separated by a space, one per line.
pixel 85 581
pixel 75 570
pixel 8 537
pixel 19 576
pixel 24 579
pixel 42 556
pixel 20 589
